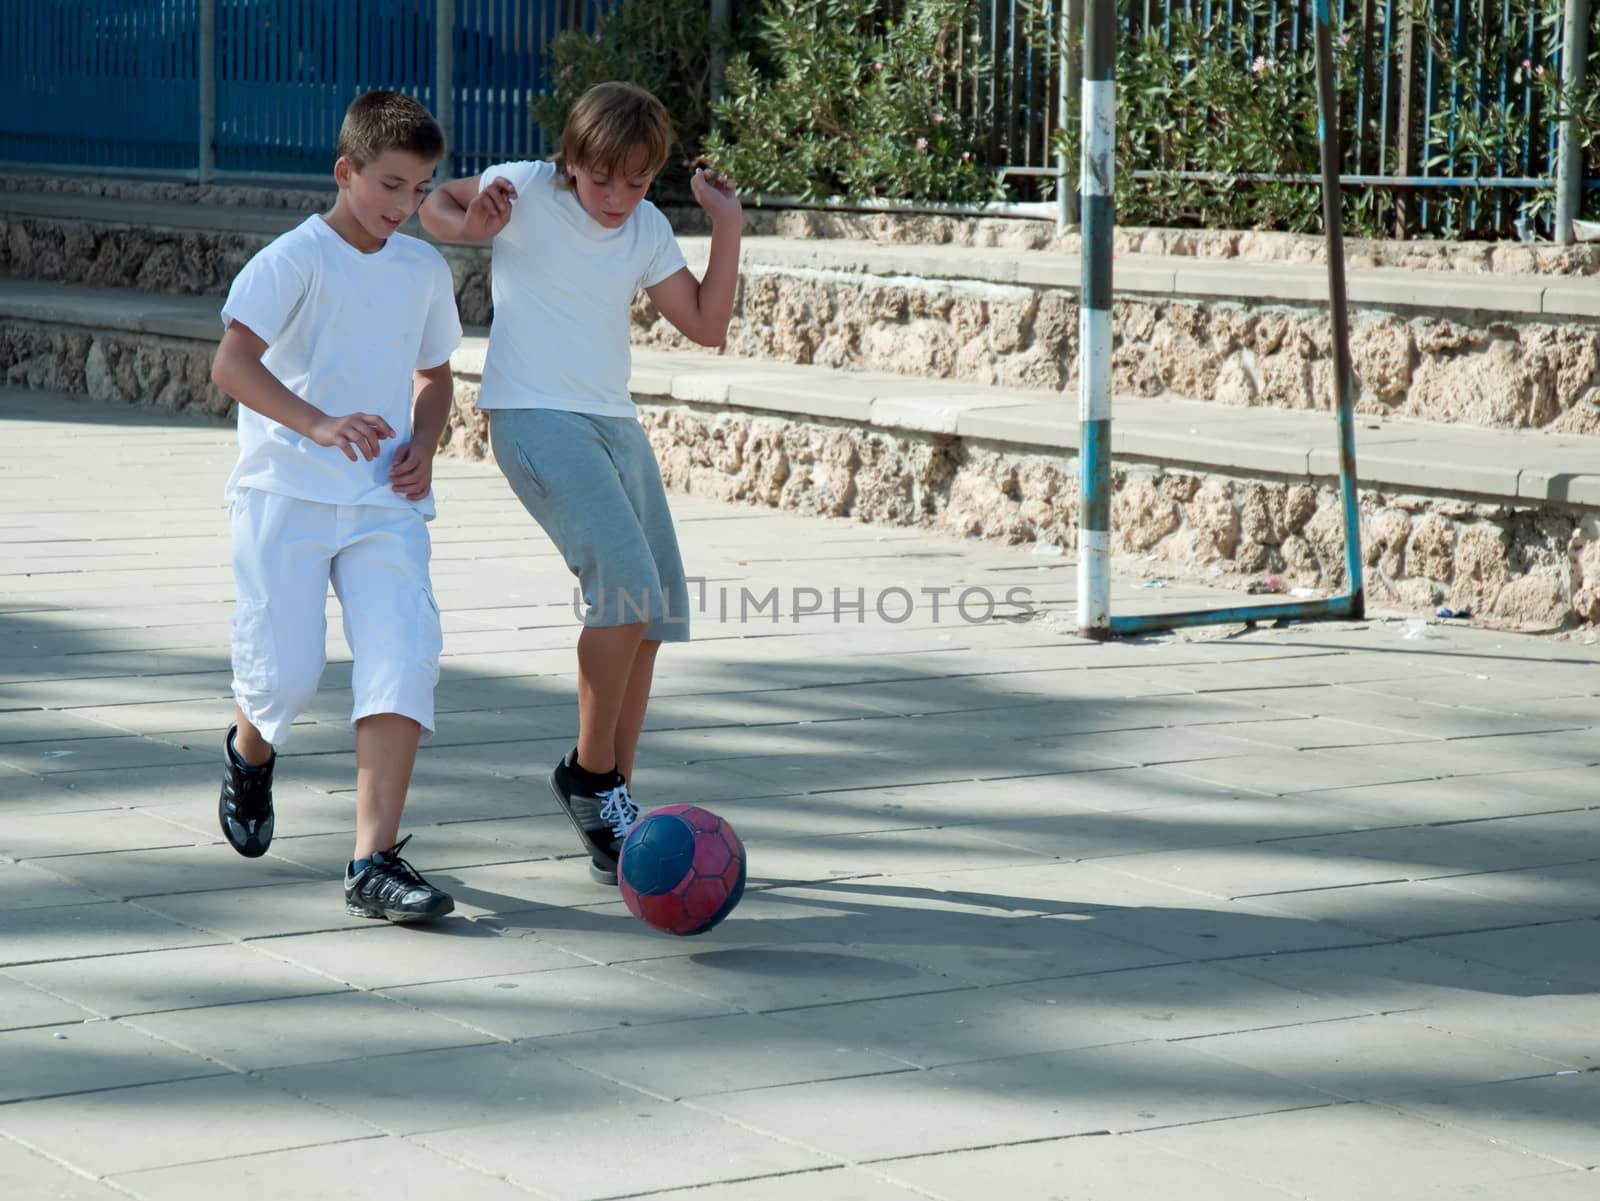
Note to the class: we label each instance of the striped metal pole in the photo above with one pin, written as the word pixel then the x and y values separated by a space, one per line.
pixel 1569 155
pixel 1096 186
pixel 444 81
pixel 1344 382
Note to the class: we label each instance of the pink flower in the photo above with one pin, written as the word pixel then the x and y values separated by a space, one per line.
pixel 1538 72
pixel 965 155
pixel 877 66
pixel 1526 63
pixel 1261 64
pixel 1344 39
pixel 938 118
pixel 922 143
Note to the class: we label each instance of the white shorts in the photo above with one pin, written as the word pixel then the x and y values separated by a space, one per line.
pixel 285 551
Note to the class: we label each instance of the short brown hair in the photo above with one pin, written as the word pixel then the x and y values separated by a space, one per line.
pixel 377 122
pixel 610 126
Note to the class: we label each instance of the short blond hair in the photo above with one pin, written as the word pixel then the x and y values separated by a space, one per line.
pixel 611 126
pixel 377 122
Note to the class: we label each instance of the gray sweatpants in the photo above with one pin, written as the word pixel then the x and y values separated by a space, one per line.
pixel 593 485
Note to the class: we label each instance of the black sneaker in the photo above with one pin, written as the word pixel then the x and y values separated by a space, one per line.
pixel 245 808
pixel 391 888
pixel 602 817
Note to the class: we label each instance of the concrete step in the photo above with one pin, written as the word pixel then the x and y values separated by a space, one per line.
pixel 1497 350
pixel 1390 289
pixel 1521 466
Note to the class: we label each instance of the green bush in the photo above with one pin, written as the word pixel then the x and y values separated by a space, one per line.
pixel 854 98
pixel 667 46
pixel 1201 105
pixel 1209 103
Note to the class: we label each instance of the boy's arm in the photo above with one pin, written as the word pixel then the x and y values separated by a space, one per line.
pixel 432 391
pixel 701 309
pixel 459 212
pixel 238 370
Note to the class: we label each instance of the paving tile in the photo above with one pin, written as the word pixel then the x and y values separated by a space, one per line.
pixel 960 1026
pixel 1388 977
pixel 669 1059
pixel 1367 1058
pixel 189 978
pixel 88 1057
pixel 444 950
pixel 328 1027
pixel 670 1145
pixel 260 911
pixel 1559 1027
pixel 1090 1169
pixel 782 977
pixel 22 1005
pixel 159 1125
pixel 25 1173
pixel 364 1170
pixel 1359 1152
pixel 1101 1089
pixel 1563 953
pixel 34 886
pixel 82 833
pixel 1554 1115
pixel 76 931
pixel 535 1005
pixel 1409 910
pixel 837 1184
pixel 411 1092
pixel 170 870
pixel 1184 1001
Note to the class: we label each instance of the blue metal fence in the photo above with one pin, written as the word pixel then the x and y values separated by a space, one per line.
pixel 116 83
pixel 99 82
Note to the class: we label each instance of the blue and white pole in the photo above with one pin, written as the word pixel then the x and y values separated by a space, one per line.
pixel 1096 187
pixel 1344 380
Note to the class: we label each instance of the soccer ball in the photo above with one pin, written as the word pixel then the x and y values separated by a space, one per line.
pixel 681 869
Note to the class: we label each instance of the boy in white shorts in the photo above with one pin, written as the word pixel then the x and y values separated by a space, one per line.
pixel 337 348
pixel 574 241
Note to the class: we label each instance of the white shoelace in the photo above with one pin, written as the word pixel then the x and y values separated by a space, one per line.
pixel 619 810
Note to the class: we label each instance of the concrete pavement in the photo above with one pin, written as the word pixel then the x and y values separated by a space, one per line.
pixel 1308 913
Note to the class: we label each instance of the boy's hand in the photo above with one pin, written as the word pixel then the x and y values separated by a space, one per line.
pixel 412 473
pixel 715 194
pixel 489 211
pixel 357 432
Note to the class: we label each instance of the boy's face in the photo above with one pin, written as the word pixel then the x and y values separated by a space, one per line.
pixel 382 195
pixel 610 195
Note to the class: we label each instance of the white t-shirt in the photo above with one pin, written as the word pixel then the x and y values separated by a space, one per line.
pixel 344 332
pixel 563 288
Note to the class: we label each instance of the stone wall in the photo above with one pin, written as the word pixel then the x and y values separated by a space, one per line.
pixel 1519 567
pixel 164 373
pixel 1523 375
pixel 1534 569
pixel 1516 566
pixel 943 229
pixel 1527 375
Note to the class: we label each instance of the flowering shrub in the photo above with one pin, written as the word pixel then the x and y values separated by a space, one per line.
pixel 666 46
pixel 854 98
pixel 1232 101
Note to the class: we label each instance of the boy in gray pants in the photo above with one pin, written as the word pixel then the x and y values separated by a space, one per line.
pixel 574 240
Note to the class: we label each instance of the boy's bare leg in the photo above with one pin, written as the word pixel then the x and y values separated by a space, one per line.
pixel 635 700
pixel 247 741
pixel 386 752
pixel 606 656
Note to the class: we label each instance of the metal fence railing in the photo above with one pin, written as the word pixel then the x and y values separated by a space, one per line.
pixel 1448 108
pixel 258 86
pixel 110 83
